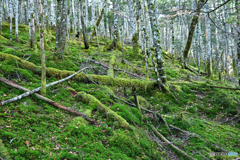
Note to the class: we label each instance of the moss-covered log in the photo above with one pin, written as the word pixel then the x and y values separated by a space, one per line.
pixel 112 63
pixel 94 103
pixel 103 79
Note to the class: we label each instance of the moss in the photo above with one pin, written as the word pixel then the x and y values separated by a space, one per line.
pixel 2 38
pixel 142 102
pixel 112 63
pixel 88 112
pixel 177 88
pixel 3 152
pixel 93 103
pixel 78 122
pixel 9 50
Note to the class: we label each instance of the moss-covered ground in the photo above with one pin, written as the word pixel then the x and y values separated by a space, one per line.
pixel 33 129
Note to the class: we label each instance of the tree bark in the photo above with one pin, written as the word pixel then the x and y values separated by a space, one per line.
pixel 191 31
pixel 83 26
pixel 238 39
pixel 162 79
pixel 41 32
pixel 99 19
pixel 32 25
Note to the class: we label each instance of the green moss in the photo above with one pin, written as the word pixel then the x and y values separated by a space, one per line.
pixel 78 122
pixel 142 102
pixel 3 152
pixel 93 103
pixel 111 65
pixel 9 50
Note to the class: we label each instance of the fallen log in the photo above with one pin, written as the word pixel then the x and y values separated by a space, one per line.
pixel 168 142
pixel 224 87
pixel 103 79
pixel 47 100
pixel 38 89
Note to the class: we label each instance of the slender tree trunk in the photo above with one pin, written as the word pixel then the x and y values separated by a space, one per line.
pixel 16 20
pixel 33 33
pixel 133 28
pixel 11 16
pixel 58 21
pixel 208 44
pixel 156 40
pixel 191 31
pixel 41 32
pixel 1 15
pixel 83 26
pixel 99 19
pixel 237 3
pixel 63 30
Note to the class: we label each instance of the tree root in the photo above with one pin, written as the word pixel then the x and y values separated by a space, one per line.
pixel 48 100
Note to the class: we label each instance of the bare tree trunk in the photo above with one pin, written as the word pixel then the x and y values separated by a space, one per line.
pixel 99 19
pixel 238 39
pixel 83 26
pixel 41 32
pixel 208 44
pixel 1 15
pixel 11 16
pixel 33 33
pixel 191 31
pixel 16 20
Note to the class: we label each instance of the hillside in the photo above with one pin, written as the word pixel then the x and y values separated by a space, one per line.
pixel 189 115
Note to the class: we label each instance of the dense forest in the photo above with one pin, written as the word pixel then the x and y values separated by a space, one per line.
pixel 119 79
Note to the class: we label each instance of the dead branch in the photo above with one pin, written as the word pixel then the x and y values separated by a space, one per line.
pixel 168 142
pixel 47 100
pixel 38 89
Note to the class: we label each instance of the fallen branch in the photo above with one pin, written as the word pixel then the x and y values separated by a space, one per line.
pixel 224 87
pixel 47 100
pixel 38 89
pixel 168 142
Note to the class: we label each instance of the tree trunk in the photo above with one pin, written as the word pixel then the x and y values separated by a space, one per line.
pixel 41 32
pixel 156 40
pixel 133 28
pixel 11 16
pixel 191 31
pixel 33 33
pixel 208 44
pixel 238 39
pixel 99 19
pixel 83 26
pixel 16 20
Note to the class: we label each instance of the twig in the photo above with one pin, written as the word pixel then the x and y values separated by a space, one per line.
pixel 47 100
pixel 38 89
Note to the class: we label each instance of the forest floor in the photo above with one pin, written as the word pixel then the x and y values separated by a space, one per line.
pixel 34 129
